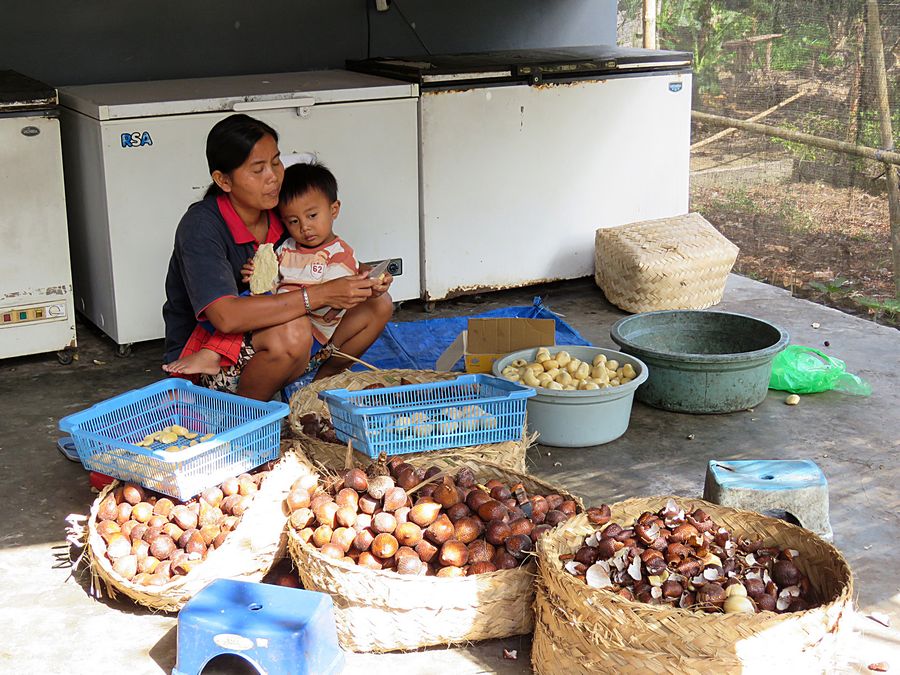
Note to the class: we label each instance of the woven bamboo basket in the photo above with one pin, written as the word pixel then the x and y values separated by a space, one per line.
pixel 380 611
pixel 510 454
pixel 248 552
pixel 670 263
pixel 610 633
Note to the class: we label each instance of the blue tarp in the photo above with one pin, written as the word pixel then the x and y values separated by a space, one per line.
pixel 416 345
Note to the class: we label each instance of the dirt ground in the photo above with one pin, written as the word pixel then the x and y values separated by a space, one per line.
pixel 823 243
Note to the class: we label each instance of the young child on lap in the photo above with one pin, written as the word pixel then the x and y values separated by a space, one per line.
pixel 313 254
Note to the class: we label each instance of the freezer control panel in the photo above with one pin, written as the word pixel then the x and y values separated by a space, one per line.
pixel 13 316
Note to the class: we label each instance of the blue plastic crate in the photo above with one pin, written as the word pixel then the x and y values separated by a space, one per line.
pixel 470 410
pixel 247 434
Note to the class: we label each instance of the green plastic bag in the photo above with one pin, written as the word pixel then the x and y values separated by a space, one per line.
pixel 804 370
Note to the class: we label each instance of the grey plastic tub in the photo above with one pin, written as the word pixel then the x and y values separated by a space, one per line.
pixel 581 418
pixel 700 361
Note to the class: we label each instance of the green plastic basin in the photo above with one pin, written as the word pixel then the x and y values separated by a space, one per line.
pixel 701 361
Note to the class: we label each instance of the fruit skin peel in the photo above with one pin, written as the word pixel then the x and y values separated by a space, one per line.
pixel 265 270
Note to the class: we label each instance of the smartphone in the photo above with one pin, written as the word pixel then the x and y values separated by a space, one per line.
pixel 379 269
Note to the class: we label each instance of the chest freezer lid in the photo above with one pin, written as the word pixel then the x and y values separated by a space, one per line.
pixel 19 92
pixel 527 65
pixel 127 100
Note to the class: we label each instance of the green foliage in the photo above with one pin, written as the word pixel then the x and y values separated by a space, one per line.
pixel 836 287
pixel 801 44
pixel 702 27
pixel 840 287
pixel 812 30
pixel 888 307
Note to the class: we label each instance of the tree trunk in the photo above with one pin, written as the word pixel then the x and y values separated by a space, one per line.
pixel 649 21
pixel 856 85
pixel 876 54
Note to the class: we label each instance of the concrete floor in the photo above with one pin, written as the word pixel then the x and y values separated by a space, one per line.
pixel 50 623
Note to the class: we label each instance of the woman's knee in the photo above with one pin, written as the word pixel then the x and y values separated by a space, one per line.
pixel 291 341
pixel 298 339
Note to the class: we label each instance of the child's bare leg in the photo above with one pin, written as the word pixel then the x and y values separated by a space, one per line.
pixel 356 332
pixel 282 354
pixel 202 362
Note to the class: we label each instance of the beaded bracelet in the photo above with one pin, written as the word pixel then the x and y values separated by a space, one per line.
pixel 306 300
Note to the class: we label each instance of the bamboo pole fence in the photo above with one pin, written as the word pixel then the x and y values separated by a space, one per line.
pixel 765 113
pixel 875 154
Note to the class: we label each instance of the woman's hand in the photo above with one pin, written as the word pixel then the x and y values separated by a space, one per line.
pixel 342 293
pixel 382 284
pixel 246 271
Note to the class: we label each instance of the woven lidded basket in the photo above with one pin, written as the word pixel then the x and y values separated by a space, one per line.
pixel 247 553
pixel 510 454
pixel 671 263
pixel 581 629
pixel 380 610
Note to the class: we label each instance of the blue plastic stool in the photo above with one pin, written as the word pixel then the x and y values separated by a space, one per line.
pixel 274 628
pixel 796 486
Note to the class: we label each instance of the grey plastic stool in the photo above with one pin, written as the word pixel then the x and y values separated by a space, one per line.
pixel 796 486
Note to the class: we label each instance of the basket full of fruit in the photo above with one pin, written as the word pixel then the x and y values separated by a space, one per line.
pixel 160 551
pixel 674 585
pixel 424 553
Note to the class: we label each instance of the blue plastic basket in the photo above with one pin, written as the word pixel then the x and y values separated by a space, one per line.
pixel 470 410
pixel 247 434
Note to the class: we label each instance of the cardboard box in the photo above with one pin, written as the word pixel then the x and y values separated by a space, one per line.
pixel 486 340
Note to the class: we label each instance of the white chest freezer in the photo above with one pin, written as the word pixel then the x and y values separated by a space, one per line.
pixel 36 312
pixel 525 154
pixel 135 159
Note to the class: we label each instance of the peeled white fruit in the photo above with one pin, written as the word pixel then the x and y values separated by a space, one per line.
pixel 445 427
pixel 735 589
pixel 735 604
pixel 401 424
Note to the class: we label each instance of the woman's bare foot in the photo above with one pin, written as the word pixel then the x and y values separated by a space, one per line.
pixel 204 362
